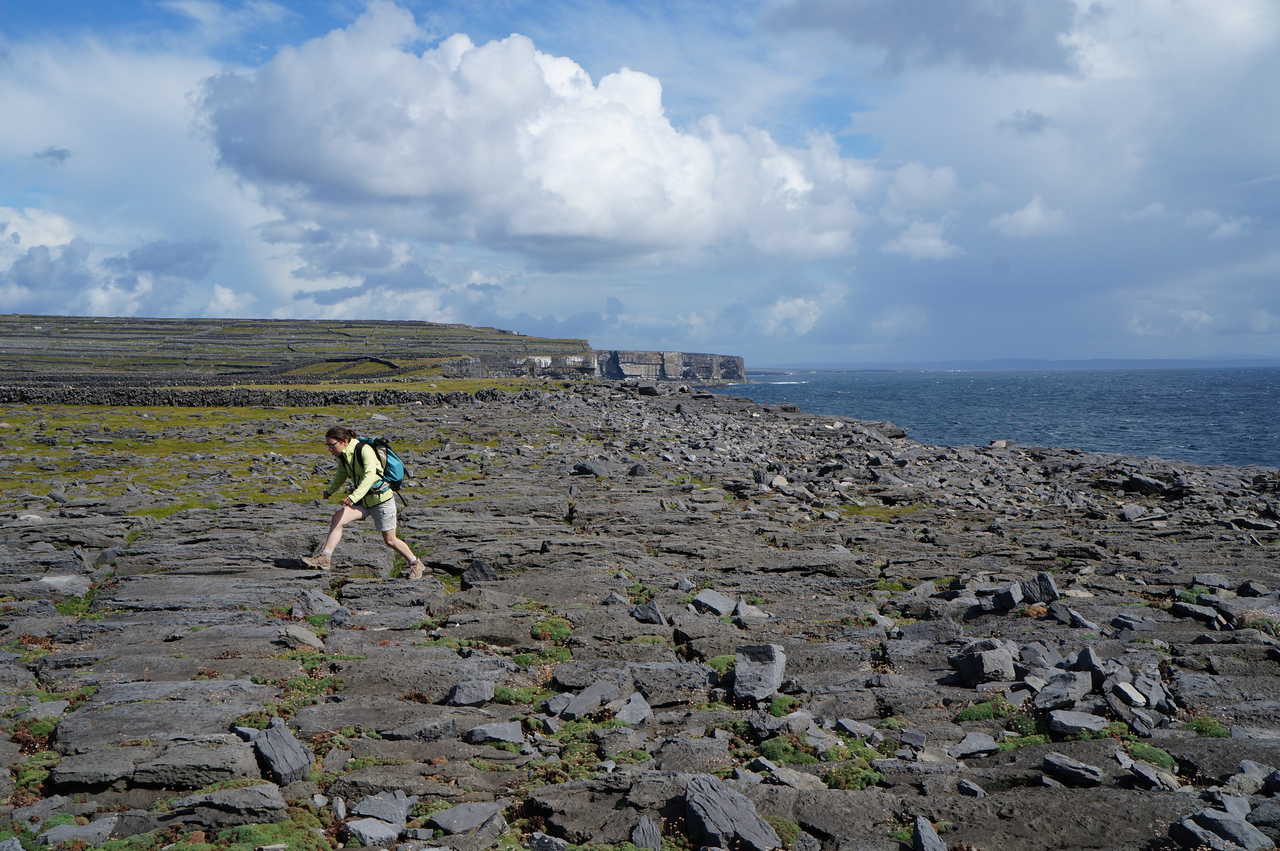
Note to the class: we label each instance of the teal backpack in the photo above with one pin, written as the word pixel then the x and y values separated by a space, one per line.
pixel 393 470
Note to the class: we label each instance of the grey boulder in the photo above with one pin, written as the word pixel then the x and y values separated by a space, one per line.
pixel 720 816
pixel 758 671
pixel 282 755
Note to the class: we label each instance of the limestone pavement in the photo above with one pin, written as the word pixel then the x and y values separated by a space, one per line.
pixel 651 616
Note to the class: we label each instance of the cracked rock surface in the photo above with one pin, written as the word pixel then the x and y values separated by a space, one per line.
pixel 970 647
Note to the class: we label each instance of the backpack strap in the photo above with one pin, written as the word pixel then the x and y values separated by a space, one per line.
pixel 381 485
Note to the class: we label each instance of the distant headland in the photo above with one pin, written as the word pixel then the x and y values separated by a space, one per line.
pixel 220 351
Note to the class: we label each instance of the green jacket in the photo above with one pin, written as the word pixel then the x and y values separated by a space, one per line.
pixel 365 473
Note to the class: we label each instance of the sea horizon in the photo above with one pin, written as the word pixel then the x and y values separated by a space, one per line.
pixel 1002 364
pixel 1219 415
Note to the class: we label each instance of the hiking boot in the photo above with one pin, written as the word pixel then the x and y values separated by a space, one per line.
pixel 319 561
pixel 415 569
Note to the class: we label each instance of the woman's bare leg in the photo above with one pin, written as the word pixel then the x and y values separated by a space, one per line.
pixel 389 538
pixel 340 518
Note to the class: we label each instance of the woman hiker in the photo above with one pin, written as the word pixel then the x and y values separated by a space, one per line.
pixel 370 497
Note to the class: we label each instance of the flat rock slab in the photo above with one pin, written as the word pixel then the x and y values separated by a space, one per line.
pixel 181 764
pixel 186 593
pixel 466 817
pixel 158 712
pixel 259 804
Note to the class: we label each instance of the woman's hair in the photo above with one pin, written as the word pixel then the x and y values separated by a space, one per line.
pixel 340 433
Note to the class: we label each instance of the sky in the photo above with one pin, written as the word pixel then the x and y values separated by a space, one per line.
pixel 794 181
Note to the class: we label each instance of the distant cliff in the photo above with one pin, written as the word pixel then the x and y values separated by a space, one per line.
pixel 670 366
pixel 80 349
pixel 620 364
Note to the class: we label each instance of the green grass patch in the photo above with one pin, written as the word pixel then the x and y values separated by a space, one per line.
pixel 554 628
pixel 547 656
pixel 782 704
pixel 997 707
pixel 1152 754
pixel 76 606
pixel 722 664
pixel 640 593
pixel 520 696
pixel 31 773
pixel 1012 743
pixel 1191 595
pixel 787 750
pixel 1208 727
pixel 852 775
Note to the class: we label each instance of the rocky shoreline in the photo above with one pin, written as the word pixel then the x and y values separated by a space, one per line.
pixel 670 619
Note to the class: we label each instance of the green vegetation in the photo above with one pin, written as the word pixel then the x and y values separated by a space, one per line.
pixel 301 832
pixel 1012 743
pixel 1114 730
pixel 553 628
pixel 640 593
pixel 317 349
pixel 76 606
pixel 1152 754
pixel 579 753
pixel 997 707
pixel 526 696
pixel 30 774
pixel 1208 727
pixel 787 750
pixel 547 656
pixel 722 664
pixel 782 704
pixel 298 691
pixel 852 775
pixel 1192 594
pixel 788 831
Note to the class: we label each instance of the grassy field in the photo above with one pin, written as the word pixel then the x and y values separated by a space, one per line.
pixel 168 459
pixel 52 347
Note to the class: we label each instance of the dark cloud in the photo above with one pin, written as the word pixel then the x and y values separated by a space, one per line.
pixel 1026 121
pixel 981 33
pixel 191 260
pixel 406 276
pixel 54 155
pixel 49 272
pixel 356 254
pixel 329 297
pixel 285 231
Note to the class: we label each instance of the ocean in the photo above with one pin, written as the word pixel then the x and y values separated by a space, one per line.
pixel 1207 416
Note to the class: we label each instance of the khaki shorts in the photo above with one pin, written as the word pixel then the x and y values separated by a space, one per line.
pixel 383 514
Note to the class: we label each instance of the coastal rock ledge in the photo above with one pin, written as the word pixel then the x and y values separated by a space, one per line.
pixel 670 619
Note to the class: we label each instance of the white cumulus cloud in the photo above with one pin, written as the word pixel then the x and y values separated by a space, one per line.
pixel 508 146
pixel 916 187
pixel 1035 219
pixel 1218 226
pixel 922 241
pixel 799 315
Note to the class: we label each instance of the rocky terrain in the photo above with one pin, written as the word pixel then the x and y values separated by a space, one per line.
pixel 655 618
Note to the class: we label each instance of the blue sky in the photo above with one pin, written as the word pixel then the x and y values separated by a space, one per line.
pixel 790 180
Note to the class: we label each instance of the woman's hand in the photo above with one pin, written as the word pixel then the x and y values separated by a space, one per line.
pixel 346 500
